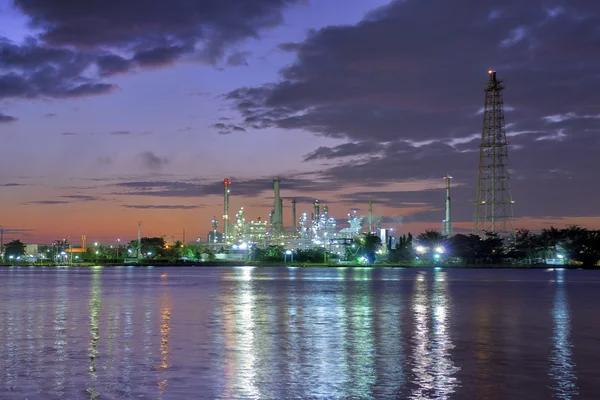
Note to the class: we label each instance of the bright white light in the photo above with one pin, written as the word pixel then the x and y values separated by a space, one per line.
pixel 437 256
pixel 560 256
pixel 234 247
pixel 243 246
pixel 420 249
pixel 288 252
pixel 440 250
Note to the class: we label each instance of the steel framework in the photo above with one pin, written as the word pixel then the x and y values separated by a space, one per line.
pixel 493 204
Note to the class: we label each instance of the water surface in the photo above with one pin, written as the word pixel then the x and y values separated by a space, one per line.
pixel 298 333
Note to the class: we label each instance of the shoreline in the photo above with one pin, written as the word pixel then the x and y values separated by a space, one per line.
pixel 317 265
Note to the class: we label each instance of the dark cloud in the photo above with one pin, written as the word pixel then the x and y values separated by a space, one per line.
pixel 161 207
pixel 68 134
pixel 238 59
pixel 120 133
pixel 80 197
pixel 241 187
pixel 344 150
pixel 406 72
pixel 46 202
pixel 226 128
pixel 6 118
pixel 12 184
pixel 114 37
pixel 152 161
pixel 50 115
pixel 33 70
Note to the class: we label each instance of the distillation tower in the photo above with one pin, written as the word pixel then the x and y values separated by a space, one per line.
pixel 493 204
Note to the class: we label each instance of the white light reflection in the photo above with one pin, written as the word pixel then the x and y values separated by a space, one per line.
pixel 60 333
pixel 95 305
pixel 433 368
pixel 244 365
pixel 562 367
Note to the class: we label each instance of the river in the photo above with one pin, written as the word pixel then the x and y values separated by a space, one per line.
pixel 298 333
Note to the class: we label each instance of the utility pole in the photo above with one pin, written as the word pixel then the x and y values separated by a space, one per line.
pixel 184 236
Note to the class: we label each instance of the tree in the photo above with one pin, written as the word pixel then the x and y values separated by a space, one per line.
pixel 154 245
pixel 370 244
pixel 404 251
pixel 431 239
pixel 16 248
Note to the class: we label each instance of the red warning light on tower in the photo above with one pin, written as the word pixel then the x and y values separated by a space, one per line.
pixel 226 182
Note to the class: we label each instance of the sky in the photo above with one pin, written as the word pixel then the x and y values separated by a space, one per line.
pixel 114 112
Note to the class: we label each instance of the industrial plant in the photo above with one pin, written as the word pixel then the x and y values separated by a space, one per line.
pixel 493 211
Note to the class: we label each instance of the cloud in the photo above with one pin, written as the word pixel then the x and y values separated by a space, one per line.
pixel 46 202
pixel 68 134
pixel 238 59
pixel 12 184
pixel 161 207
pixel 50 115
pixel 80 197
pixel 226 128
pixel 120 133
pixel 152 161
pixel 6 118
pixel 344 150
pixel 112 37
pixel 239 187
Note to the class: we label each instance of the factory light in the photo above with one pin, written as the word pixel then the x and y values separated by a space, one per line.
pixel 440 250
pixel 420 249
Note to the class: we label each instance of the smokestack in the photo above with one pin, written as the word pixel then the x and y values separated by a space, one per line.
pixel 277 214
pixel 294 228
pixel 317 216
pixel 139 243
pixel 83 242
pixel 226 184
pixel 370 216
pixel 448 221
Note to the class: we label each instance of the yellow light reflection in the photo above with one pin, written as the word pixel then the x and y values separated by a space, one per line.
pixel 165 329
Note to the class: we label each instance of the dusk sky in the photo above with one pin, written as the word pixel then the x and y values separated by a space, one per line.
pixel 116 111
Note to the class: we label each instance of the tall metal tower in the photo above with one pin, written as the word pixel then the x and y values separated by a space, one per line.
pixel 493 204
pixel 226 184
pixel 277 209
pixel 294 226
pixel 447 223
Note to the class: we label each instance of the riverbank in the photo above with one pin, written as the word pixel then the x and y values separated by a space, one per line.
pixel 297 265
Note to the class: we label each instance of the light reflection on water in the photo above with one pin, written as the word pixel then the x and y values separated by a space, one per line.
pixel 433 366
pixel 279 333
pixel 562 368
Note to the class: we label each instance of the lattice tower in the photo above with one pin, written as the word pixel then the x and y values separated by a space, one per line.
pixel 494 203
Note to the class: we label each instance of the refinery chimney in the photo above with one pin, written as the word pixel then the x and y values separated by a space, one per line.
pixel 317 216
pixel 294 228
pixel 226 184
pixel 447 231
pixel 277 212
pixel 370 216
